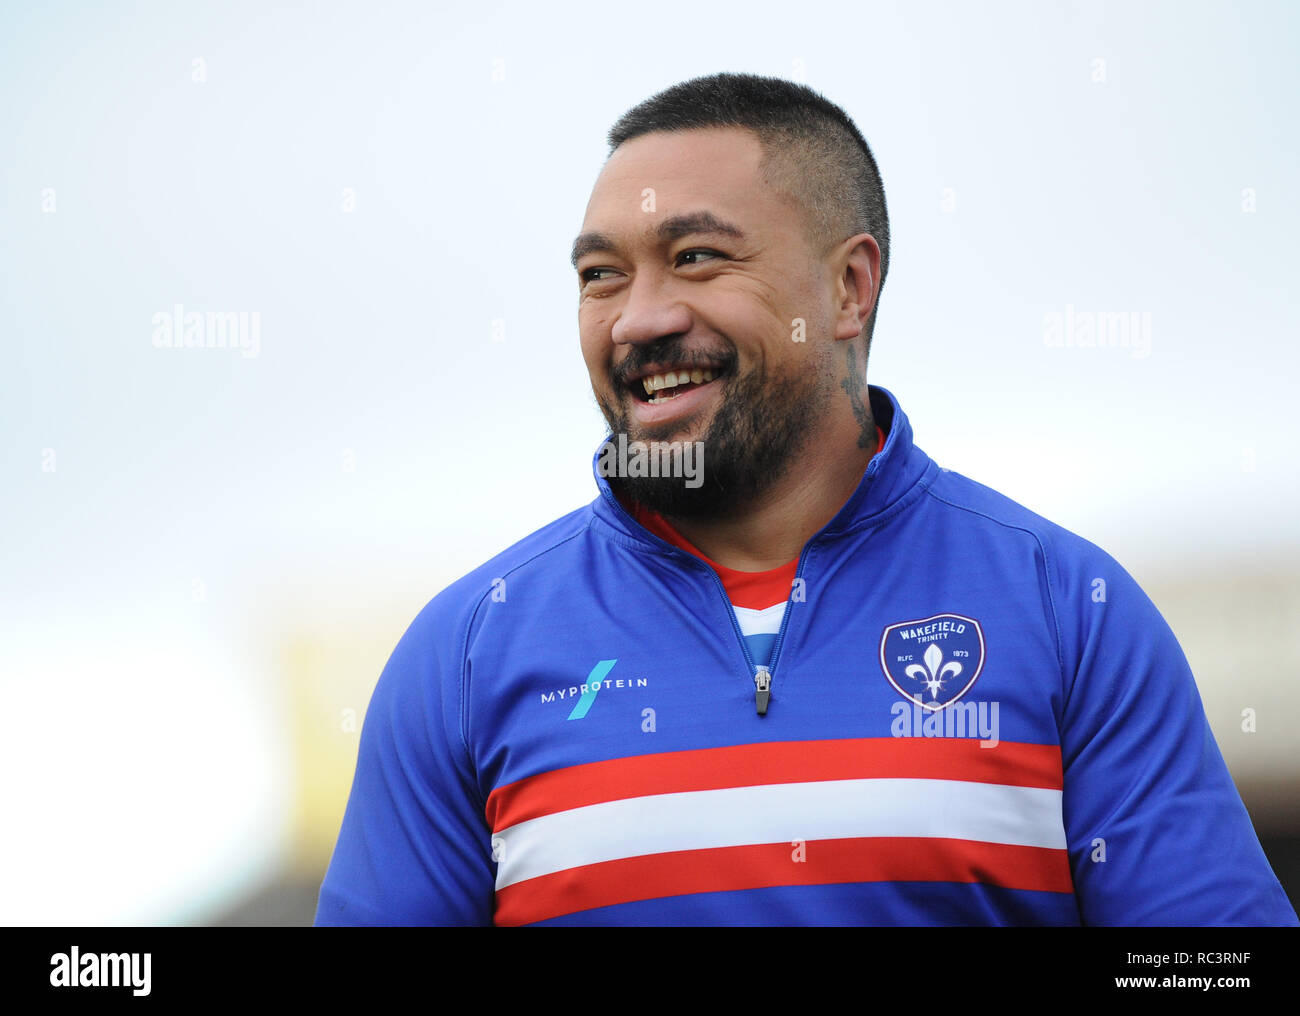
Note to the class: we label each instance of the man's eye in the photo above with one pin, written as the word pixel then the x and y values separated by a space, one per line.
pixel 689 253
pixel 589 274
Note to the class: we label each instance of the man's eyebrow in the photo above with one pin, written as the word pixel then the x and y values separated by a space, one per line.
pixel 672 228
pixel 677 226
pixel 586 243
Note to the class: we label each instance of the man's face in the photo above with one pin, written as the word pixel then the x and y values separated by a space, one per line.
pixel 689 264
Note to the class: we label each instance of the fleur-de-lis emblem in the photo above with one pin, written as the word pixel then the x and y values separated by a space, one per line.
pixel 947 638
pixel 935 671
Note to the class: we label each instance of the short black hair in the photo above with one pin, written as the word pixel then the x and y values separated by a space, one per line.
pixel 812 150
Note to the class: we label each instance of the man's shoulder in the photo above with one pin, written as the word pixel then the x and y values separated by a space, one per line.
pixel 1001 513
pixel 1078 576
pixel 491 580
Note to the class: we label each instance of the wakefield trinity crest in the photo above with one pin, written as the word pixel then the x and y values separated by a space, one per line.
pixel 933 662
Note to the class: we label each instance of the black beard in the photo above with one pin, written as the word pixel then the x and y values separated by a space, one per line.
pixel 750 444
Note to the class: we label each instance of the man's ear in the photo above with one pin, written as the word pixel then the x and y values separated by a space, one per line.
pixel 857 267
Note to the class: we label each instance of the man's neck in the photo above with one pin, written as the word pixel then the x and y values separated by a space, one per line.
pixel 773 530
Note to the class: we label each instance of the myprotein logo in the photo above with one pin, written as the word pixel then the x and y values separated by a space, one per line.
pixel 598 679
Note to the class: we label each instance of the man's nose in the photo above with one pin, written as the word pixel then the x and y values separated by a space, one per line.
pixel 650 312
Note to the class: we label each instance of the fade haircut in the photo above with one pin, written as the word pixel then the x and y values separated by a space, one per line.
pixel 812 152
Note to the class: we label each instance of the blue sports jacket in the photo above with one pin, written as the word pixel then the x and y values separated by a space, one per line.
pixel 975 717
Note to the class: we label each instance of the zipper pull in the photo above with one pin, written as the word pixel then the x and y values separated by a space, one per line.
pixel 762 689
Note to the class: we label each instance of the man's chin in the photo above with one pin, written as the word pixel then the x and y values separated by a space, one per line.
pixel 738 446
pixel 675 433
pixel 681 430
pixel 670 496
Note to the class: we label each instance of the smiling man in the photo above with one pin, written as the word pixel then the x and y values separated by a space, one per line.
pixel 687 342
pixel 824 681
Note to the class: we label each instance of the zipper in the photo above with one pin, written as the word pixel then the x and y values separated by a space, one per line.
pixel 762 692
pixel 762 689
pixel 762 674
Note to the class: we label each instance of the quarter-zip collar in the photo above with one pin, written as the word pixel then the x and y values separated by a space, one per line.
pixel 894 478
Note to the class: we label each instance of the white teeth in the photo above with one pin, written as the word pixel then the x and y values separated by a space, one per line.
pixel 673 378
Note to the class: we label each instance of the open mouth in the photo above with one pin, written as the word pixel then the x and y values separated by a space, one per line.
pixel 667 385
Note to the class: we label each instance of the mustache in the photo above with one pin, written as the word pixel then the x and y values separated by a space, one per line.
pixel 674 352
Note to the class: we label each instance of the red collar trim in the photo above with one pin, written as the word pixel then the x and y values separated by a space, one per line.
pixel 756 590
